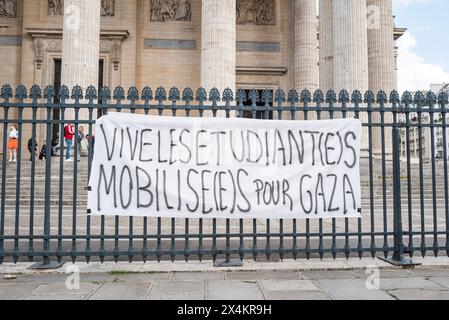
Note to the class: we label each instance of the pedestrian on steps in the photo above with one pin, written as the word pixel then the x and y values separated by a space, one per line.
pixel 32 150
pixel 13 143
pixel 69 132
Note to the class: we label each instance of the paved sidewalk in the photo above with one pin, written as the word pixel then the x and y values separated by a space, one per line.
pixel 314 280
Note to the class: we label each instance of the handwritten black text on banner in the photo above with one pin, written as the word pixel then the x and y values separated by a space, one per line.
pixel 225 168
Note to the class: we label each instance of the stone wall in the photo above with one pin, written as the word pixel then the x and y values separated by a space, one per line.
pixel 169 49
pixel 10 46
pixel 163 46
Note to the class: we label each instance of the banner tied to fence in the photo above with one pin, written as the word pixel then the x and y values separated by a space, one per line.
pixel 225 168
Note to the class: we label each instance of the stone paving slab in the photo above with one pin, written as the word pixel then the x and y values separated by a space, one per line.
pixel 233 290
pixel 296 295
pixel 178 287
pixel 43 278
pixel 16 291
pixel 388 273
pixel 431 272
pixel 408 283
pixel 143 277
pixel 94 277
pixel 231 284
pixel 121 291
pixel 197 296
pixel 442 281
pixel 288 285
pixel 352 289
pixel 61 297
pixel 293 275
pixel 332 274
pixel 59 288
pixel 420 294
pixel 199 276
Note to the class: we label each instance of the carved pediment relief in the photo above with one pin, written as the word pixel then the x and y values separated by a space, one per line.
pixel 107 8
pixel 56 7
pixel 170 10
pixel 258 12
pixel 8 8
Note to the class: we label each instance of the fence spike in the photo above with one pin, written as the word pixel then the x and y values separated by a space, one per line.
pixel 21 92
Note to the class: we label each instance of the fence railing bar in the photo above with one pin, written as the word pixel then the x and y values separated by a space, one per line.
pixel 209 236
pixel 446 177
pixel 91 93
pixel 3 195
pixel 76 146
pixel 431 100
pixel 18 180
pixel 61 177
pixel 32 185
pixel 410 246
pixel 423 246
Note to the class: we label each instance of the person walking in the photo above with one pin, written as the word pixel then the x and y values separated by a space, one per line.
pixel 54 144
pixel 13 143
pixel 32 142
pixel 81 135
pixel 81 140
pixel 43 153
pixel 69 132
pixel 91 143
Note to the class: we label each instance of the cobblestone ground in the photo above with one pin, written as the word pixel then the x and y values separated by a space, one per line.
pixel 361 284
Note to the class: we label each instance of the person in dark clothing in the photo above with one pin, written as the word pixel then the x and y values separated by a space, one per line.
pixel 54 144
pixel 43 153
pixel 80 140
pixel 92 141
pixel 30 148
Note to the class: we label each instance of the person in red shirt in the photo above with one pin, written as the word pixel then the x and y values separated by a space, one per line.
pixel 69 132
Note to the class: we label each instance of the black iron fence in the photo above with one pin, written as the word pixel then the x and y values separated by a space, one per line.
pixel 405 195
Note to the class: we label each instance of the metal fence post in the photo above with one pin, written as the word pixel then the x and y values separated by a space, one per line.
pixel 228 262
pixel 47 263
pixel 5 94
pixel 398 259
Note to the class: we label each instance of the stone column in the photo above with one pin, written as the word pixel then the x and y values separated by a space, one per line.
pixel 218 44
pixel 326 52
pixel 381 59
pixel 81 45
pixel 305 45
pixel 396 69
pixel 350 50
pixel 350 45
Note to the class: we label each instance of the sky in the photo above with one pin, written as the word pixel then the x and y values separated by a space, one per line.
pixel 424 49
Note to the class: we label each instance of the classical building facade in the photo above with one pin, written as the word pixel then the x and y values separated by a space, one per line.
pixel 259 44
pixel 235 43
pixel 441 137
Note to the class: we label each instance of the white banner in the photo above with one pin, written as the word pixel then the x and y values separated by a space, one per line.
pixel 225 168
